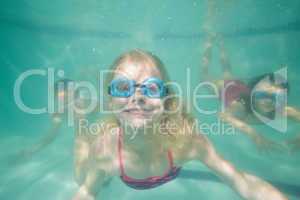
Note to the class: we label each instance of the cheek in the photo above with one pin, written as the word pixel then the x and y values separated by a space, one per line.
pixel 117 103
pixel 260 105
pixel 267 102
pixel 154 102
pixel 157 104
pixel 266 105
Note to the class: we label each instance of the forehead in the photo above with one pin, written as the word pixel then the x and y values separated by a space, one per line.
pixel 136 71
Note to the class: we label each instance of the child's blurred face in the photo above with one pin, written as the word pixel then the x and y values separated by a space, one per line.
pixel 137 110
pixel 267 103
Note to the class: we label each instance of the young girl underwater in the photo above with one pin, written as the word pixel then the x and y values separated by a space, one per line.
pixel 242 102
pixel 143 105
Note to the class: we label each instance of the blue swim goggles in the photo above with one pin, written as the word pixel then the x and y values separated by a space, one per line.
pixel 152 87
pixel 279 97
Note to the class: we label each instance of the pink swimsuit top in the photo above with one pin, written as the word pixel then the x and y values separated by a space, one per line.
pixel 235 90
pixel 149 182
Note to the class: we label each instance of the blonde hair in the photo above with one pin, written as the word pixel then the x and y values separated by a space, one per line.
pixel 175 112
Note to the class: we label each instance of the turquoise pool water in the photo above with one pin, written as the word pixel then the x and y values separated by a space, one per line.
pixel 81 37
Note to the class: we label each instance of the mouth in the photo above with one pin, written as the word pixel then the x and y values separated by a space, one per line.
pixel 139 112
pixel 267 106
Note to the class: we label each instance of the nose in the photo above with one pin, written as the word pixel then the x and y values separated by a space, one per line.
pixel 138 98
pixel 141 101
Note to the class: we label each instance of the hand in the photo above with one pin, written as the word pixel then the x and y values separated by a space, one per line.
pixel 83 194
pixel 258 189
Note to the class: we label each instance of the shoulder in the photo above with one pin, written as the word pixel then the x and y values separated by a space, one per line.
pixel 187 140
pixel 96 133
pixel 193 147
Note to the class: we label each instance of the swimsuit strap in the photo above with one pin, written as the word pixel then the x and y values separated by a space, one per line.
pixel 120 137
pixel 121 163
pixel 170 159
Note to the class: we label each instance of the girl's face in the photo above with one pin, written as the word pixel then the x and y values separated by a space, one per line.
pixel 266 103
pixel 137 110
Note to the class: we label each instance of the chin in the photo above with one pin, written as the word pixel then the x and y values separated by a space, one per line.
pixel 135 122
pixel 139 122
pixel 267 109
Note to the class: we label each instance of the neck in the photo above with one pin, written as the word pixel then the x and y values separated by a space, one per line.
pixel 139 139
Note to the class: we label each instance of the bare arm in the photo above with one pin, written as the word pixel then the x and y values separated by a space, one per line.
pixel 92 185
pixel 224 60
pixel 294 143
pixel 260 140
pixel 45 140
pixel 206 59
pixel 57 121
pixel 93 163
pixel 89 171
pixel 239 124
pixel 81 156
pixel 246 185
pixel 293 113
